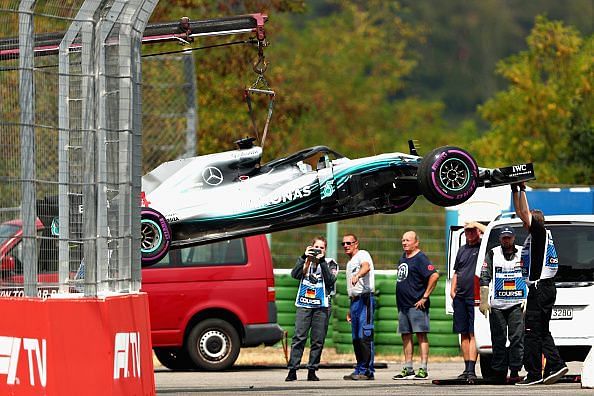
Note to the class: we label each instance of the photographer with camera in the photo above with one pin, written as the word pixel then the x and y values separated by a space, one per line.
pixel 317 275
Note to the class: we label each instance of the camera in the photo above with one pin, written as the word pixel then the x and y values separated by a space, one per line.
pixel 314 252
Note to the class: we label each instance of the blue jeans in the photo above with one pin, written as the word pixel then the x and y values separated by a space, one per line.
pixel 362 308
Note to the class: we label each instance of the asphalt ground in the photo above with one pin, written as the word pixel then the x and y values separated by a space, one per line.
pixel 270 380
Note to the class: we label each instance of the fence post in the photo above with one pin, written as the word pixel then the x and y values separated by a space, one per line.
pixel 27 119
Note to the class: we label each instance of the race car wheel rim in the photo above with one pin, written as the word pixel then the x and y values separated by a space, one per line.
pixel 454 174
pixel 214 345
pixel 151 236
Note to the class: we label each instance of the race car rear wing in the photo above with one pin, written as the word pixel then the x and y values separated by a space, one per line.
pixel 506 175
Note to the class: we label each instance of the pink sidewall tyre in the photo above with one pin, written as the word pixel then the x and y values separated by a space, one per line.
pixel 155 236
pixel 448 176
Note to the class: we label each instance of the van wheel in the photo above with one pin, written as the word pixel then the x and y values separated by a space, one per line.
pixel 485 362
pixel 174 358
pixel 213 345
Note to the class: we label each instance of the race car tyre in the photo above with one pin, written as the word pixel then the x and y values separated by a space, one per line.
pixel 448 176
pixel 155 235
pixel 213 345
pixel 174 358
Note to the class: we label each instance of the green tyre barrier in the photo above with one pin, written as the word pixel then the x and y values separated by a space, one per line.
pixel 389 313
pixel 340 313
pixel 286 293
pixel 386 300
pixel 436 313
pixel 391 350
pixel 437 301
pixel 341 300
pixel 343 326
pixel 341 287
pixel 285 280
pixel 443 340
pixel 439 288
pixel 443 351
pixel 385 287
pixel 344 348
pixel 386 326
pixel 285 306
pixel 285 319
pixel 441 326
pixel 392 338
pixel 342 338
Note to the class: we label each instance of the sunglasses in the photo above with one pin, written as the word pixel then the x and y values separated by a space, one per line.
pixel 347 243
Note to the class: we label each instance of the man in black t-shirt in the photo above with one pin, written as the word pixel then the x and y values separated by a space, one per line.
pixel 540 263
pixel 462 293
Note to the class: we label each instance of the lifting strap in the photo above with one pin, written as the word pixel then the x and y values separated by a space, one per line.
pixel 260 87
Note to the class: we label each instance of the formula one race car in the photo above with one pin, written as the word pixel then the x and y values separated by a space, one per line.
pixel 227 195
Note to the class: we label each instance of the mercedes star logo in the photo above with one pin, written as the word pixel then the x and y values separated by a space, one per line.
pixel 212 176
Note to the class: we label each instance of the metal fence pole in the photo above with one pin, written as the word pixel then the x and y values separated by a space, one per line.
pixel 191 104
pixel 27 120
pixel 145 10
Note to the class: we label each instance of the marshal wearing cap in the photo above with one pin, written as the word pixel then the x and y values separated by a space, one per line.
pixel 506 231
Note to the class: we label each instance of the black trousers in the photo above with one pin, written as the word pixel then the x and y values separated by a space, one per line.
pixel 507 323
pixel 312 321
pixel 537 336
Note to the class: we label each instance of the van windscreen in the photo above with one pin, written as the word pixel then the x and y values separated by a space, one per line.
pixel 575 247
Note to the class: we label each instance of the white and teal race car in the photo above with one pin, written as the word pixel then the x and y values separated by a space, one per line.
pixel 227 195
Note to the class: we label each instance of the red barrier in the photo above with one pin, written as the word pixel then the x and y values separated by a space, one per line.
pixel 81 346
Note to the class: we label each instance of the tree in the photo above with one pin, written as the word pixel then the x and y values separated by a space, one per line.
pixel 545 116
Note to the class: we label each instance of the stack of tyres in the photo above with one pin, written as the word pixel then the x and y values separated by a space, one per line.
pixel 286 291
pixel 442 340
pixel 387 340
pixel 340 307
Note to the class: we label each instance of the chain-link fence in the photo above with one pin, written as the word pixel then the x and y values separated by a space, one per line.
pixel 380 235
pixel 169 110
pixel 70 139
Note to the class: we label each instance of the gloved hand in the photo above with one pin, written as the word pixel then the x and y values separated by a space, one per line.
pixel 485 307
pixel 514 187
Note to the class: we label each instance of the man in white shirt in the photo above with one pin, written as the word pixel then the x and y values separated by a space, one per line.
pixel 360 288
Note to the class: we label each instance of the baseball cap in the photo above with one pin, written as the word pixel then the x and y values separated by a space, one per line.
pixel 506 231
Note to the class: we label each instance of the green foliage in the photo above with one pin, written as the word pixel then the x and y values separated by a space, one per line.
pixel 465 39
pixel 545 115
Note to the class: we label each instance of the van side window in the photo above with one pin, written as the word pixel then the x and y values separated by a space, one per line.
pixel 226 252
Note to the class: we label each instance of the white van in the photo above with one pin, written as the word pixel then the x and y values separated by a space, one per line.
pixel 571 325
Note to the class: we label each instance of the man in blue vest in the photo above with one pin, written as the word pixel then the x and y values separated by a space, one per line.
pixel 540 264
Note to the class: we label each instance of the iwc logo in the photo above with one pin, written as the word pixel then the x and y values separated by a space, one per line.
pixel 212 176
